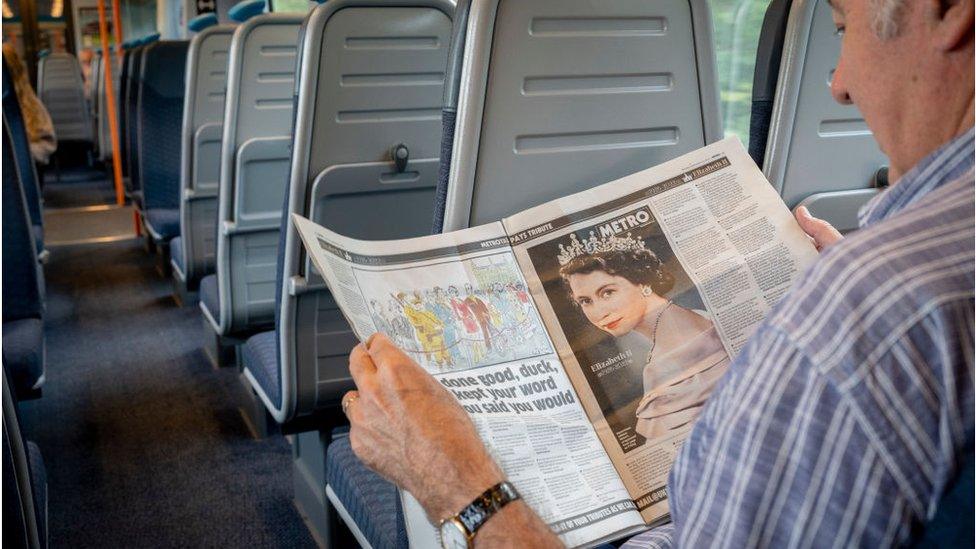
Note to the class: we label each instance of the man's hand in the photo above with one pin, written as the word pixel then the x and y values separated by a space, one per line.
pixel 822 233
pixel 411 430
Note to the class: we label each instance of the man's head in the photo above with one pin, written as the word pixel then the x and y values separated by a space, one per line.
pixel 908 66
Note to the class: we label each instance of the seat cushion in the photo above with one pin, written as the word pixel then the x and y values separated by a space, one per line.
pixel 176 252
pixel 209 296
pixel 164 221
pixel 371 501
pixel 261 359
pixel 23 353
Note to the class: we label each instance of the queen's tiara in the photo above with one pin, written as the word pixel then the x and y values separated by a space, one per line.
pixel 594 245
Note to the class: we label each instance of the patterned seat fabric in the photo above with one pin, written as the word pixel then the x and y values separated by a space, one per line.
pixel 261 359
pixel 160 126
pixel 164 221
pixel 371 501
pixel 209 296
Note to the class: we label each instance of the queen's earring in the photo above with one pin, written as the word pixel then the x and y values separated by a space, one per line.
pixel 646 291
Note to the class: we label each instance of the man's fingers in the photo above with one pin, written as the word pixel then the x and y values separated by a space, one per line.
pixel 823 233
pixel 348 400
pixel 361 365
pixel 383 352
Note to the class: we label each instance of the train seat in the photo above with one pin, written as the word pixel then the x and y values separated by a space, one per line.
pixel 561 95
pixel 253 175
pixel 26 168
pixel 129 50
pixel 192 252
pixel 370 83
pixel 364 500
pixel 818 153
pixel 62 89
pixel 159 119
pixel 24 480
pixel 136 58
pixel 23 294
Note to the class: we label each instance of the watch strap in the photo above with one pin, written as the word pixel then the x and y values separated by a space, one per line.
pixel 487 504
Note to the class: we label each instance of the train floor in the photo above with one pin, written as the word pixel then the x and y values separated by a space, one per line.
pixel 142 438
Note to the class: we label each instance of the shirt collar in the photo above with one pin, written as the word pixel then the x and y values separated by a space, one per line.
pixel 947 163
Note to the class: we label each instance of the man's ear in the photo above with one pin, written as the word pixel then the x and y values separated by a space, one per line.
pixel 954 24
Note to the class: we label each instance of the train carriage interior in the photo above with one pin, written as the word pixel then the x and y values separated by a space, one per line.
pixel 174 365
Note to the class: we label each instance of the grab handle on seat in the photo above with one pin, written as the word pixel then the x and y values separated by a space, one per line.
pixel 401 155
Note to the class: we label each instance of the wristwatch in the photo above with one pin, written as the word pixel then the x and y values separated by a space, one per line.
pixel 458 532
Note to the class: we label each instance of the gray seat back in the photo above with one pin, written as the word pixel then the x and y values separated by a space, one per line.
pixel 371 77
pixel 820 153
pixel 562 95
pixel 203 117
pixel 94 75
pixel 256 149
pixel 62 89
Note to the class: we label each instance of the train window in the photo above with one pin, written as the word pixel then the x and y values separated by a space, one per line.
pixel 737 24
pixel 283 6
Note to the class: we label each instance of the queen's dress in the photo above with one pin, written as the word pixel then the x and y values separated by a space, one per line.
pixel 677 383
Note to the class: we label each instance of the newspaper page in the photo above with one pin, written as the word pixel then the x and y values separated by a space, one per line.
pixel 458 304
pixel 648 286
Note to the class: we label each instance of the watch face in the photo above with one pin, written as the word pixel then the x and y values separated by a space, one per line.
pixel 452 537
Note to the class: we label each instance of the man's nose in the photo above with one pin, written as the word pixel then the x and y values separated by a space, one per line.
pixel 838 87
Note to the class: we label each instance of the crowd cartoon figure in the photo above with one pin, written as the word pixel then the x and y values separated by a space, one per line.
pixel 463 327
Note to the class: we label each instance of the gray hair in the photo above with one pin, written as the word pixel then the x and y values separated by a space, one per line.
pixel 887 14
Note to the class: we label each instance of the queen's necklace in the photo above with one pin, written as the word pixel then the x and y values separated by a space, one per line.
pixel 656 322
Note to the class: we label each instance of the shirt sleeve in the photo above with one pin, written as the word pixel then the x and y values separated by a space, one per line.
pixel 656 538
pixel 778 458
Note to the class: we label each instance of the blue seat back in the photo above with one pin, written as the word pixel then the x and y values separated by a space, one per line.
pixel 371 77
pixel 131 117
pixel 22 292
pixel 807 126
pixel 255 153
pixel 159 123
pixel 769 54
pixel 21 145
pixel 202 131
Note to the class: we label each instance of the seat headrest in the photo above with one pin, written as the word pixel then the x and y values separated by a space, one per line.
pixel 43 53
pixel 242 11
pixel 201 22
pixel 146 40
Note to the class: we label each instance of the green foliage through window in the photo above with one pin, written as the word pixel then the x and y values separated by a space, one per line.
pixel 736 25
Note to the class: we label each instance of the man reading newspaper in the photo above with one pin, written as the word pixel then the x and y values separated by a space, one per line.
pixel 850 410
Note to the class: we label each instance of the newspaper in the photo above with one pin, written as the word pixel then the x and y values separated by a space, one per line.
pixel 584 335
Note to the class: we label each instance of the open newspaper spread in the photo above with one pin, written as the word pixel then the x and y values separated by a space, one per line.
pixel 584 335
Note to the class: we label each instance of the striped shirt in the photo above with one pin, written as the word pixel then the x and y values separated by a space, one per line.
pixel 850 409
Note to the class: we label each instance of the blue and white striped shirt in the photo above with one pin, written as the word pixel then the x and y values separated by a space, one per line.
pixel 848 412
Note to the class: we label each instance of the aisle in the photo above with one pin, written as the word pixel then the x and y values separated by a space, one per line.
pixel 142 439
